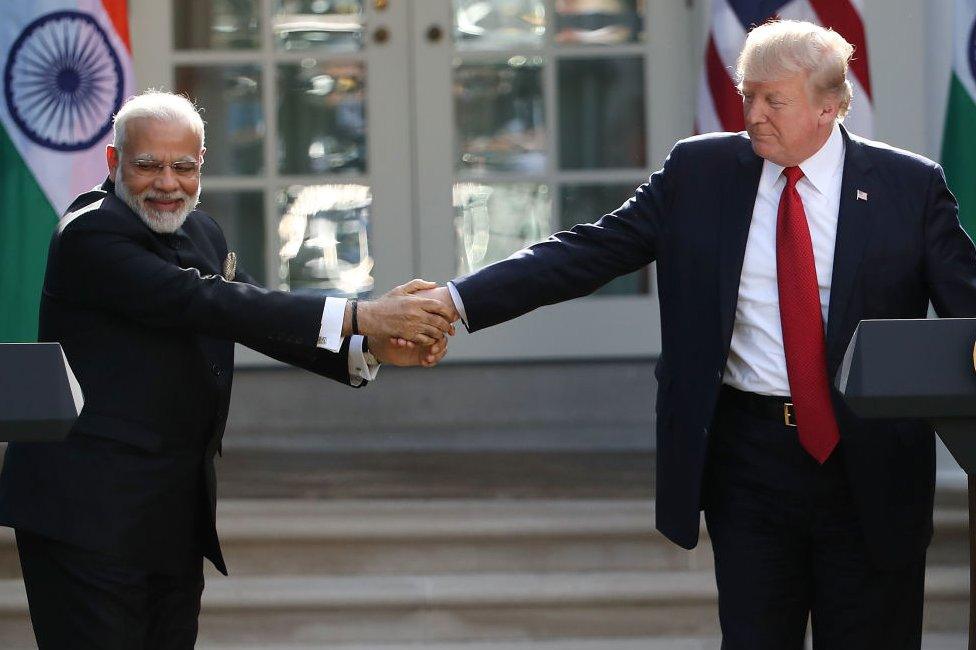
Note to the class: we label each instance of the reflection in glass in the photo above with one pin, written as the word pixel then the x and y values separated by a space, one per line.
pixel 324 235
pixel 216 24
pixel 333 25
pixel 499 116
pixel 495 220
pixel 321 117
pixel 586 204
pixel 241 217
pixel 601 113
pixel 599 22
pixel 230 101
pixel 499 24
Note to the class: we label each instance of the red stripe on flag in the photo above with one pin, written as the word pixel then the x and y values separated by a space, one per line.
pixel 843 17
pixel 116 10
pixel 728 103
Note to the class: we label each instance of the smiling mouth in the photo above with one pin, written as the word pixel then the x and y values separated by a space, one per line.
pixel 165 205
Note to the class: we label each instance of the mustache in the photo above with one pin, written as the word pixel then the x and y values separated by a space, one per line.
pixel 164 196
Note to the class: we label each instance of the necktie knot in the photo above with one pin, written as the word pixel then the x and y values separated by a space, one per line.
pixel 793 174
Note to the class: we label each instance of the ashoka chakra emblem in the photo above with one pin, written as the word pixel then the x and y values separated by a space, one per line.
pixel 63 81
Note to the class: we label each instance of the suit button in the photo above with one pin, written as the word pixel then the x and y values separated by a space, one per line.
pixel 216 370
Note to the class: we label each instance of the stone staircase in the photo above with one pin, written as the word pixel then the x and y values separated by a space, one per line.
pixel 475 574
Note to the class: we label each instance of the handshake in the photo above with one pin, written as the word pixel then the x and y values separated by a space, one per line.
pixel 407 326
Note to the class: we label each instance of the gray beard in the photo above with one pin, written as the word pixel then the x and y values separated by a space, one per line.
pixel 160 222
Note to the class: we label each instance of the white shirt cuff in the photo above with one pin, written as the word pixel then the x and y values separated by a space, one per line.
pixel 330 332
pixel 458 305
pixel 360 370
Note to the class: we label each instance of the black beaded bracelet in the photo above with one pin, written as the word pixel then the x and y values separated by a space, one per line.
pixel 355 319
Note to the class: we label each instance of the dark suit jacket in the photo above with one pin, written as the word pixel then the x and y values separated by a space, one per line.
pixel 895 252
pixel 148 325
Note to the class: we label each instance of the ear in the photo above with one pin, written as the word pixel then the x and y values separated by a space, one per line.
pixel 202 151
pixel 828 111
pixel 112 158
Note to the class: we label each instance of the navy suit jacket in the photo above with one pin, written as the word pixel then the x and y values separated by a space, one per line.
pixel 894 253
pixel 148 326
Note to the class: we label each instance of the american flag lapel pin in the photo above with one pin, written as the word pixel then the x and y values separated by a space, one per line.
pixel 862 195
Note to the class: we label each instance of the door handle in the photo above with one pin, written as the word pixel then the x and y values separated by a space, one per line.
pixel 435 33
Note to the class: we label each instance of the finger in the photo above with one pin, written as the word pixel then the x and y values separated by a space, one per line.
pixel 417 285
pixel 432 306
pixel 423 339
pixel 437 321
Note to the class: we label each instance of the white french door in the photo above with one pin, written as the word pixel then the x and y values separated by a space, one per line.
pixel 354 144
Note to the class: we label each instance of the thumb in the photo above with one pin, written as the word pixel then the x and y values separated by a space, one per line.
pixel 417 285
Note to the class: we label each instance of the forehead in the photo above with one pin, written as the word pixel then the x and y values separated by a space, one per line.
pixel 793 84
pixel 161 138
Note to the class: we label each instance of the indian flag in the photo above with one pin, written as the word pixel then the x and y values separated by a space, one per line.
pixel 67 67
pixel 959 138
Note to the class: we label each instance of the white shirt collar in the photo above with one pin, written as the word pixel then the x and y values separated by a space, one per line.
pixel 818 169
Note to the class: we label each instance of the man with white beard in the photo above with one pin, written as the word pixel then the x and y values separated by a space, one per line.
pixel 113 523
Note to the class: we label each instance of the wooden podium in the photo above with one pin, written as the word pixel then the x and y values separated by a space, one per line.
pixel 920 369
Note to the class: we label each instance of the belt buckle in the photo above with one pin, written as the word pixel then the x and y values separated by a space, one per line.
pixel 789 414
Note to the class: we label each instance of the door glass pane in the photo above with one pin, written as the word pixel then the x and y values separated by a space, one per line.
pixel 333 25
pixel 499 116
pixel 586 204
pixel 599 22
pixel 230 100
pixel 321 117
pixel 324 236
pixel 241 217
pixel 216 24
pixel 493 220
pixel 601 113
pixel 499 24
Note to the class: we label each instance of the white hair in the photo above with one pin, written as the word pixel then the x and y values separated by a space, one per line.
pixel 782 48
pixel 157 105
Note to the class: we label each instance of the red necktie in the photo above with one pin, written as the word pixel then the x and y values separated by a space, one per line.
pixel 803 329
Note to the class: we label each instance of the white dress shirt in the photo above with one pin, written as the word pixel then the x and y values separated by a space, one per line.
pixel 330 338
pixel 757 362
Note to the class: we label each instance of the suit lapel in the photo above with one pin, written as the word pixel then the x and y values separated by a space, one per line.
pixel 854 221
pixel 737 207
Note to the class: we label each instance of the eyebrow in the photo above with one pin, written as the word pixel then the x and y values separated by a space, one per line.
pixel 149 156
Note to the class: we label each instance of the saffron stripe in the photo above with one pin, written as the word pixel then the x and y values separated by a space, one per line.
pixel 116 10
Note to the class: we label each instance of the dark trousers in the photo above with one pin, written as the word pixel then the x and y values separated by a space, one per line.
pixel 789 546
pixel 82 600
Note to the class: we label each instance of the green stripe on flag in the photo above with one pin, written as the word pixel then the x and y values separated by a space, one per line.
pixel 959 152
pixel 26 223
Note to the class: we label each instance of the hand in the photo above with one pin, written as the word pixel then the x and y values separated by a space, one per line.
pixel 443 296
pixel 386 351
pixel 403 314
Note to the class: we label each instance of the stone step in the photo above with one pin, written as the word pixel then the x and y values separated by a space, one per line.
pixel 260 611
pixel 930 641
pixel 294 537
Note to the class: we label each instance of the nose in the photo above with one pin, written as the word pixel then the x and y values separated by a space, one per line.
pixel 753 113
pixel 166 180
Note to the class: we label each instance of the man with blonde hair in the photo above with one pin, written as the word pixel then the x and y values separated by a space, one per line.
pixel 771 245
pixel 113 523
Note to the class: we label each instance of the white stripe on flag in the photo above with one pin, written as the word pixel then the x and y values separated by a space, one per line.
pixel 861 118
pixel 965 17
pixel 728 33
pixel 708 120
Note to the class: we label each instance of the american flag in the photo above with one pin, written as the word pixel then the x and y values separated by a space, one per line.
pixel 719 104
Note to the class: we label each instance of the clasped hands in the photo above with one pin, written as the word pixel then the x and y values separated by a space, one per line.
pixel 409 325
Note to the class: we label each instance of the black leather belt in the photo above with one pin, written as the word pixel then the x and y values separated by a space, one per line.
pixel 770 407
